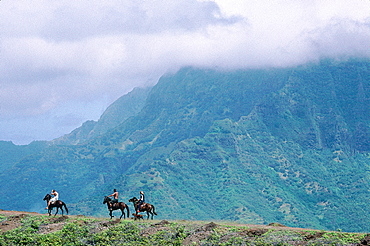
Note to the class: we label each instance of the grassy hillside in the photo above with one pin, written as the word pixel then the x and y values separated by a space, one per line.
pixel 18 228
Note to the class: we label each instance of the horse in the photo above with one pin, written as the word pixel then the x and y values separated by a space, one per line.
pixel 149 208
pixel 115 206
pixel 57 204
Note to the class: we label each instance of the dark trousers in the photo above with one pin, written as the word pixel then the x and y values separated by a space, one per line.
pixel 139 204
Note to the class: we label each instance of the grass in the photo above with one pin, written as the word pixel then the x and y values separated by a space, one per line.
pixel 78 230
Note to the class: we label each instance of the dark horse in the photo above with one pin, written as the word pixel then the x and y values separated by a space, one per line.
pixel 149 208
pixel 57 204
pixel 116 206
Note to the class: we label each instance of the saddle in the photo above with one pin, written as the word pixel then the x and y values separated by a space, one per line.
pixel 115 204
pixel 141 206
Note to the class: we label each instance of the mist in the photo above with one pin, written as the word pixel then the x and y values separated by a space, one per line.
pixel 64 62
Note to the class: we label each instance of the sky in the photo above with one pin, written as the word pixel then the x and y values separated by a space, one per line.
pixel 64 62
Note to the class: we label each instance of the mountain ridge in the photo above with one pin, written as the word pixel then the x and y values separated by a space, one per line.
pixel 124 107
pixel 289 145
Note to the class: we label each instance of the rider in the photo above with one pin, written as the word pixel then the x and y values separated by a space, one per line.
pixel 141 201
pixel 115 196
pixel 54 199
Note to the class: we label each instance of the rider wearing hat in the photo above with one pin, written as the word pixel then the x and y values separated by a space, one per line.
pixel 141 201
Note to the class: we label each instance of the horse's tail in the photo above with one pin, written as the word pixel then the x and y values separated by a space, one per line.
pixel 128 211
pixel 65 206
pixel 154 210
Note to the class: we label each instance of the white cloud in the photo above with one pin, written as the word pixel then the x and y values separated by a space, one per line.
pixel 91 52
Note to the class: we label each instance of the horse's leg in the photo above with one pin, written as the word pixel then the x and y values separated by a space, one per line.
pixel 110 208
pixel 56 211
pixel 122 213
pixel 61 208
pixel 147 212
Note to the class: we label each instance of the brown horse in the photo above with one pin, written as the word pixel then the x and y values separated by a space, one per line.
pixel 149 208
pixel 116 206
pixel 57 204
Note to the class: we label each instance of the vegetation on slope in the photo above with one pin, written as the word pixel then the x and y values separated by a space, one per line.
pixel 256 146
pixel 31 229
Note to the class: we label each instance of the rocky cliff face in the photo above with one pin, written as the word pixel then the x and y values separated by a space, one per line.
pixel 254 146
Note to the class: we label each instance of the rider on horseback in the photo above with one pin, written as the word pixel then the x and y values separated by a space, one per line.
pixel 141 201
pixel 115 196
pixel 54 199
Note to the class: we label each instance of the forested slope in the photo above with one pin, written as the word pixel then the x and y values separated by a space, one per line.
pixel 287 145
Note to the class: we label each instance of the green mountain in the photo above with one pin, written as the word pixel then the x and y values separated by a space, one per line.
pixel 11 153
pixel 123 108
pixel 287 145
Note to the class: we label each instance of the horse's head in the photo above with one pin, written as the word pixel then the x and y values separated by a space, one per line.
pixel 134 199
pixel 47 197
pixel 106 199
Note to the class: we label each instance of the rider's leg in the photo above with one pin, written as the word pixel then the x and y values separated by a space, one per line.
pixel 138 207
